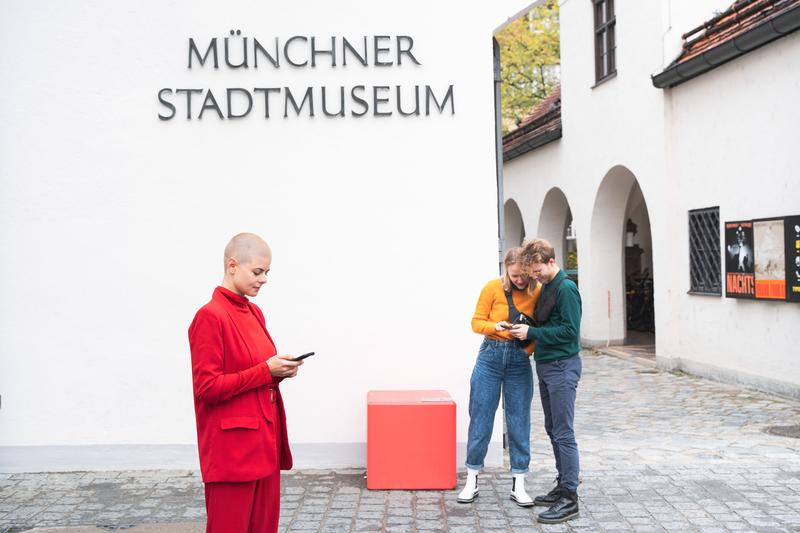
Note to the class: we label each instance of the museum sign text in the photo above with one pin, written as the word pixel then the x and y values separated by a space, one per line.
pixel 301 52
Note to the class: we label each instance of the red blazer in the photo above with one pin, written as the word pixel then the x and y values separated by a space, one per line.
pixel 236 430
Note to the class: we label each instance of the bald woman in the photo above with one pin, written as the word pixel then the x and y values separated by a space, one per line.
pixel 241 427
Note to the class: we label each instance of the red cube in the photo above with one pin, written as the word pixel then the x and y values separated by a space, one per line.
pixel 411 440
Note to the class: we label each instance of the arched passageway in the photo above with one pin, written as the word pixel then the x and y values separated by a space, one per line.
pixel 621 264
pixel 515 227
pixel 639 303
pixel 555 218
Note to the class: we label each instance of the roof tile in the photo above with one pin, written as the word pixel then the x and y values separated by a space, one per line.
pixel 542 125
pixel 742 16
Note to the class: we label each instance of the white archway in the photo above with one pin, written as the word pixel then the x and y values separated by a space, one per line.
pixel 515 227
pixel 604 303
pixel 554 217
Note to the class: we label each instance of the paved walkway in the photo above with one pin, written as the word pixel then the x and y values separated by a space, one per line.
pixel 659 452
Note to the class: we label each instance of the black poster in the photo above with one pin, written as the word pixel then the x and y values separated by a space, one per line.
pixel 739 262
pixel 791 233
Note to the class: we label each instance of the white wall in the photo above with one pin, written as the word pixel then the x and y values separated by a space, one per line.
pixel 112 223
pixel 726 138
pixel 748 108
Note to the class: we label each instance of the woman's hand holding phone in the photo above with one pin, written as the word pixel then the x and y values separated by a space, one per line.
pixel 283 366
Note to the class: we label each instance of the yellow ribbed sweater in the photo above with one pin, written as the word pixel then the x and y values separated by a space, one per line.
pixel 492 308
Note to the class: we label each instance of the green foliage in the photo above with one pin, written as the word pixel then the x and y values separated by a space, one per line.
pixel 529 62
pixel 572 260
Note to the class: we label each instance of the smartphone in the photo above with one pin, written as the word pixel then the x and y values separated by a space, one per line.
pixel 301 357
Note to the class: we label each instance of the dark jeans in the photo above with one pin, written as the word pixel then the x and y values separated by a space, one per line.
pixel 501 363
pixel 558 382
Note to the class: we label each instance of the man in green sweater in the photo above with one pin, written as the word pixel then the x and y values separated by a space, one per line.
pixel 556 330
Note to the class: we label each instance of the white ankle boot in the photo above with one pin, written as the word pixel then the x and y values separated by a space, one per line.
pixel 470 490
pixel 518 493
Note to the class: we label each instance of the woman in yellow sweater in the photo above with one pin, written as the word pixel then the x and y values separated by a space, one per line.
pixel 503 363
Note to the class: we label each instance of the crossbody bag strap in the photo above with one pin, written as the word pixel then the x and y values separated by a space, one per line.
pixel 546 304
pixel 513 312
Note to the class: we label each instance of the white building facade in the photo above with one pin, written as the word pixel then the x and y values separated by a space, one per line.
pixel 116 201
pixel 723 139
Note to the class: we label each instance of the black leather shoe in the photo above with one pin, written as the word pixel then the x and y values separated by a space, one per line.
pixel 566 508
pixel 550 498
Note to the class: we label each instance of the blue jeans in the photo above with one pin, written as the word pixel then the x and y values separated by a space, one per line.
pixel 558 382
pixel 500 363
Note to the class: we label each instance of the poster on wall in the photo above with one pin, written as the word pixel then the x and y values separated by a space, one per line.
pixel 791 229
pixel 739 263
pixel 770 259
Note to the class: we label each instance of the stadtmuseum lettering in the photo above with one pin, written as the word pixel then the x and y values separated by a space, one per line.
pixel 300 52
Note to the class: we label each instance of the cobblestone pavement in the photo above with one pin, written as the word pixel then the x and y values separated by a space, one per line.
pixel 659 451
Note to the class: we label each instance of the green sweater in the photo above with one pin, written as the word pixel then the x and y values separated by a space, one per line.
pixel 559 338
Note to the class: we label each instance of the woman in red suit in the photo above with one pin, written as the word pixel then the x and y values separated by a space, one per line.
pixel 241 427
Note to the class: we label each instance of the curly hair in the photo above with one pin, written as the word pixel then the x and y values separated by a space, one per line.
pixel 514 257
pixel 536 251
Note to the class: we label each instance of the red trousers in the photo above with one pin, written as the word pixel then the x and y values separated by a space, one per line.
pixel 245 507
pixel 249 507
